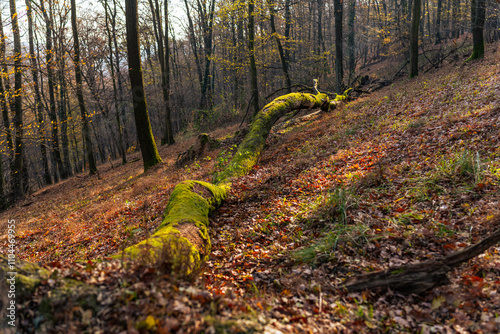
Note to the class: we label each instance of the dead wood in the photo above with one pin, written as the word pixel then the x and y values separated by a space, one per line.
pixel 420 277
pixel 204 143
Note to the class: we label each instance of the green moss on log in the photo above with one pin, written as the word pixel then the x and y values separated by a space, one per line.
pixel 188 207
pixel 186 216
pixel 253 144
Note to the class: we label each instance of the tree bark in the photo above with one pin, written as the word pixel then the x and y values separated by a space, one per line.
pixel 478 14
pixel 149 151
pixel 420 277
pixel 79 93
pixel 351 47
pixel 168 137
pixel 37 98
pixel 194 46
pixel 17 171
pixel 251 50
pixel 415 21
pixel 4 95
pixel 438 21
pixel 284 64
pixel 109 18
pixel 339 69
pixel 207 21
pixel 55 150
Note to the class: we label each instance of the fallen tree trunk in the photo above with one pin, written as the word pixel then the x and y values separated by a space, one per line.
pixel 186 215
pixel 185 225
pixel 420 277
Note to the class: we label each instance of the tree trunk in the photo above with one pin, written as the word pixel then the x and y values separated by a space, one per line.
pixel 79 93
pixel 147 143
pixel 55 151
pixel 168 137
pixel 194 45
pixel 420 277
pixel 17 172
pixel 186 215
pixel 284 64
pixel 119 81
pixel 63 114
pixel 339 70
pixel 351 47
pixel 478 14
pixel 455 21
pixel 5 96
pixel 207 19
pixel 121 147
pixel 415 21
pixel 251 50
pixel 38 98
pixel 438 21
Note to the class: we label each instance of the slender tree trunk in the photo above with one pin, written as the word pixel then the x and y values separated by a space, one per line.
pixel 438 21
pixel 168 137
pixel 288 24
pixel 478 14
pixel 119 78
pixel 55 151
pixel 339 70
pixel 284 65
pixel 38 98
pixel 455 22
pixel 79 92
pixel 251 49
pixel 351 47
pixel 5 95
pixel 235 66
pixel 149 151
pixel 415 21
pixel 241 52
pixel 17 172
pixel 194 46
pixel 207 18
pixel 321 43
pixel 63 115
pixel 121 147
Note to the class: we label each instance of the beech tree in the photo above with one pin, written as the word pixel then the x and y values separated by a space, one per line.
pixel 6 95
pixel 150 155
pixel 251 51
pixel 478 13
pixel 338 6
pixel 17 171
pixel 79 92
pixel 60 171
pixel 38 108
pixel 415 21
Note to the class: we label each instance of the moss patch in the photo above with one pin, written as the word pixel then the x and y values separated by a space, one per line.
pixel 189 204
pixel 253 144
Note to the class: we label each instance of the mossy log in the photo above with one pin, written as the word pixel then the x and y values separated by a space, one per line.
pixel 185 225
pixel 186 216
pixel 420 277
pixel 253 144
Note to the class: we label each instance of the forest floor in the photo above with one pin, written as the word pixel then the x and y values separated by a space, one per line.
pixel 403 175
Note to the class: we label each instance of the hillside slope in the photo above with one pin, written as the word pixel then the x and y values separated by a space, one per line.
pixel 408 173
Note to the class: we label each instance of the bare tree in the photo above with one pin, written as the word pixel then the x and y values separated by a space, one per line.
pixel 149 151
